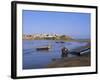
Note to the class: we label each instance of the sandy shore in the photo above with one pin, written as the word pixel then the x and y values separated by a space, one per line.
pixel 83 60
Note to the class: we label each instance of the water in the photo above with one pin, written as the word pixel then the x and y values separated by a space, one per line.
pixel 33 59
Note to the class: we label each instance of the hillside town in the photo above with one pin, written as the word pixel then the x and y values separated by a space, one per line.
pixel 46 37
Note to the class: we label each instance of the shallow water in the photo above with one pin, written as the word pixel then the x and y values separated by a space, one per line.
pixel 33 59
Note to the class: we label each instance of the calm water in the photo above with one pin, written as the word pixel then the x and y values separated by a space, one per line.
pixel 40 59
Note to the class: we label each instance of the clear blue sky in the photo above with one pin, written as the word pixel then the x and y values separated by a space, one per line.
pixel 76 25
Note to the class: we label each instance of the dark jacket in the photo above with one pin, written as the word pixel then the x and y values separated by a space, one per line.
pixel 64 50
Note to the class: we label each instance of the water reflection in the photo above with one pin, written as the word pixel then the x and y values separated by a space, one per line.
pixel 40 59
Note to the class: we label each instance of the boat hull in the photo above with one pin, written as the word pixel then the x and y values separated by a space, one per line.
pixel 42 49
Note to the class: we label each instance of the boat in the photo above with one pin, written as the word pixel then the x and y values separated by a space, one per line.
pixel 43 48
pixel 57 42
pixel 60 42
pixel 81 52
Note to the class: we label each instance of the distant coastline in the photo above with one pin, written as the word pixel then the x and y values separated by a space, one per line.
pixel 51 37
pixel 46 37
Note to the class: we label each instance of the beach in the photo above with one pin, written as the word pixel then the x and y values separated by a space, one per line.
pixel 83 60
pixel 52 58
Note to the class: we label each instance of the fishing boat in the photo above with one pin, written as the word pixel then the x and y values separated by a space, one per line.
pixel 43 48
pixel 60 42
pixel 81 52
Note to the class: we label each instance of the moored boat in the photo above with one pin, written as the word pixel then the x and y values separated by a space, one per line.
pixel 60 42
pixel 43 48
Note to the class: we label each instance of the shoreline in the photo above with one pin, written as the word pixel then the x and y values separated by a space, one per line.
pixel 83 60
pixel 60 40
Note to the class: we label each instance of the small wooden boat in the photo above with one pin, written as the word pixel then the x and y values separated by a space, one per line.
pixel 81 52
pixel 60 42
pixel 57 42
pixel 43 48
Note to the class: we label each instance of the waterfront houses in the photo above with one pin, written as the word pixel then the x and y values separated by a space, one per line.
pixel 45 36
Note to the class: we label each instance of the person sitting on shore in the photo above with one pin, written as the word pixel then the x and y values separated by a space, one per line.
pixel 64 52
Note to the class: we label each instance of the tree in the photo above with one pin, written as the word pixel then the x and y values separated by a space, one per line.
pixel 64 37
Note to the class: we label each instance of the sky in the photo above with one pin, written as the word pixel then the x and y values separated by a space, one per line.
pixel 76 25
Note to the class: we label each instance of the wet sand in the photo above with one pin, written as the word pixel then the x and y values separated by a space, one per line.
pixel 83 60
